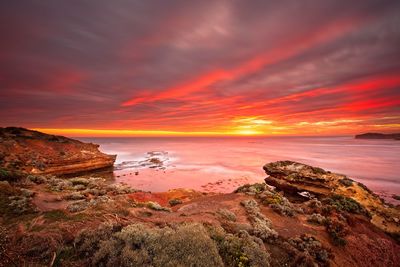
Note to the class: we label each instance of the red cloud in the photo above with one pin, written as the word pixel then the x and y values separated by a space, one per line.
pixel 289 48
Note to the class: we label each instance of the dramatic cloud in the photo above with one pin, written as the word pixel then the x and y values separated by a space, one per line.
pixel 205 67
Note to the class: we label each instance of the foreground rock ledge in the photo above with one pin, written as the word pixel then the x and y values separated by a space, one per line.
pixel 293 177
pixel 33 152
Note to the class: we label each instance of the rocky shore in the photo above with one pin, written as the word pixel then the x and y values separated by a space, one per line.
pixel 300 216
pixel 24 151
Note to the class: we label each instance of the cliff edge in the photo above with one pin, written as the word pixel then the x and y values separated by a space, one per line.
pixel 33 152
pixel 297 178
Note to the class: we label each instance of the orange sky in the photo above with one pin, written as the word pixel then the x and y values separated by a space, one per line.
pixel 201 69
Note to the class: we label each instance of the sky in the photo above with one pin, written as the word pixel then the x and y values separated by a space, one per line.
pixel 105 68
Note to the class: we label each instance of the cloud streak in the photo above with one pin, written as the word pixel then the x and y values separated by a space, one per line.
pixel 225 67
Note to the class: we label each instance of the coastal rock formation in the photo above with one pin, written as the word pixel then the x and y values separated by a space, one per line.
pixel 47 220
pixel 85 221
pixel 27 151
pixel 395 136
pixel 300 179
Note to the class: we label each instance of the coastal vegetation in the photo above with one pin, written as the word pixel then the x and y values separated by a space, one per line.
pixel 309 217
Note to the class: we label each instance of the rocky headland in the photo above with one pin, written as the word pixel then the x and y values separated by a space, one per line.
pixel 300 216
pixel 395 136
pixel 30 152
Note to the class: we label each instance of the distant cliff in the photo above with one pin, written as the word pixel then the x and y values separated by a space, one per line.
pixel 395 136
pixel 27 151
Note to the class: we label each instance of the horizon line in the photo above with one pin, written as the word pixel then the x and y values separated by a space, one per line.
pixel 78 132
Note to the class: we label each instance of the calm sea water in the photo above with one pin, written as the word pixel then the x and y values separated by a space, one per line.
pixel 222 164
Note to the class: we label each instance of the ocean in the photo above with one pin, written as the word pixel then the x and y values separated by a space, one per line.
pixel 221 164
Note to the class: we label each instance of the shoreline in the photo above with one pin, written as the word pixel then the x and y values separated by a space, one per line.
pixel 310 217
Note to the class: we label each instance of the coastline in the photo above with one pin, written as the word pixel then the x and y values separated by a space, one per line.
pixel 311 217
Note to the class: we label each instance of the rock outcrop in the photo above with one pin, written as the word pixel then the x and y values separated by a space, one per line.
pixel 27 151
pixel 296 178
pixel 395 136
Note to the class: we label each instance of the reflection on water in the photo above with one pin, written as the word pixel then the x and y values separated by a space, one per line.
pixel 222 164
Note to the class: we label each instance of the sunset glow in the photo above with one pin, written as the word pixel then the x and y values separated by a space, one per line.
pixel 201 69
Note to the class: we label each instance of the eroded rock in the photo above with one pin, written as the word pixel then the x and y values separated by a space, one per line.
pixel 34 152
pixel 337 189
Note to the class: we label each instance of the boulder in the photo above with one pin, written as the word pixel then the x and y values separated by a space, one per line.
pixel 294 178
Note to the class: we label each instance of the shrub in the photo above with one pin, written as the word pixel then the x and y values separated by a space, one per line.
pixel 78 206
pixel 262 227
pixel 20 205
pixel 346 182
pixel 311 246
pixel 283 209
pixel 252 189
pixel 155 206
pixel 79 181
pixel 343 203
pixel 140 245
pixel 37 179
pixel 55 215
pixel 337 231
pixel 363 186
pixel 38 246
pixel 271 198
pixel 277 202
pixel 240 249
pixel 88 241
pixel 174 202
pixel 227 215
pixel 7 175
pixel 316 218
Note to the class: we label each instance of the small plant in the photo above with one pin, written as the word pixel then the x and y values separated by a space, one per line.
pixel 174 202
pixel 140 245
pixel 262 227
pixel 337 231
pixel 240 249
pixel 5 174
pixel 343 203
pixel 311 246
pixel 363 186
pixel 316 218
pixel 346 182
pixel 227 215
pixel 55 215
pixel 272 198
pixel 155 206
pixel 79 181
pixel 251 188
pixel 123 212
pixel 9 175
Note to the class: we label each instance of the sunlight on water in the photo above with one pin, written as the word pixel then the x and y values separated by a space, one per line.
pixel 222 164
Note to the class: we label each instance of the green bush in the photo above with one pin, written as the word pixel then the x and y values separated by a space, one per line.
pixel 343 203
pixel 11 176
pixel 140 245
pixel 241 249
pixel 337 232
pixel 346 182
pixel 174 202
pixel 251 188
